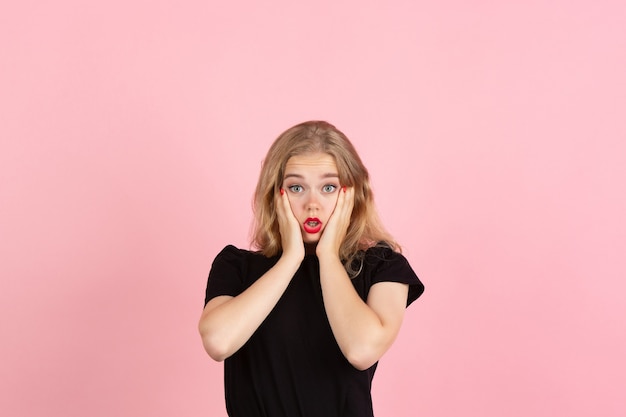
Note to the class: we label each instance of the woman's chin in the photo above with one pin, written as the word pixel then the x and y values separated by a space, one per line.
pixel 310 238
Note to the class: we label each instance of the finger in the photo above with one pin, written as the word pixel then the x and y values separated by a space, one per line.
pixel 287 217
pixel 338 207
pixel 350 199
pixel 347 202
pixel 283 211
pixel 287 211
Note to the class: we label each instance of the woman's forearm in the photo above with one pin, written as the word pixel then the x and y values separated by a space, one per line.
pixel 363 332
pixel 227 323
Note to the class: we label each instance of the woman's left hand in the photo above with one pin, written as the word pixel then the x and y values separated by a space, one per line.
pixel 335 231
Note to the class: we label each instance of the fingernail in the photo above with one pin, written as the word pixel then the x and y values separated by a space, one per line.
pixel 344 188
pixel 282 191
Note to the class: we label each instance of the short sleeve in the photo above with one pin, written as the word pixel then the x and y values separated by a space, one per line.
pixel 226 275
pixel 391 266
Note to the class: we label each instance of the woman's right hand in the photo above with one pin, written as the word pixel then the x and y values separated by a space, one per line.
pixel 290 234
pixel 227 322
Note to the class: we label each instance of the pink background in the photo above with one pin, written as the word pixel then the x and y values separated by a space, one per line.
pixel 132 134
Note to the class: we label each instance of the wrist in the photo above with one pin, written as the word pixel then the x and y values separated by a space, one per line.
pixel 327 255
pixel 292 258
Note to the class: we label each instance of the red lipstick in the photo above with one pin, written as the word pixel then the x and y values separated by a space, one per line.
pixel 312 225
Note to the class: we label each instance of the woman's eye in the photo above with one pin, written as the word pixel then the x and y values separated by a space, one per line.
pixel 295 188
pixel 329 188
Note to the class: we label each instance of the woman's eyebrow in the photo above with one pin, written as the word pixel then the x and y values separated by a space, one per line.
pixel 327 175
pixel 293 176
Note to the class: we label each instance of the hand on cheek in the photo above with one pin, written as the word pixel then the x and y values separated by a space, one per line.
pixel 291 237
pixel 337 226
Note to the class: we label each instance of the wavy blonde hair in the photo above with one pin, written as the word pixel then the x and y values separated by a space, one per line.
pixel 365 229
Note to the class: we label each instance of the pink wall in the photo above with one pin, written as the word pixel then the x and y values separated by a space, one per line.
pixel 132 134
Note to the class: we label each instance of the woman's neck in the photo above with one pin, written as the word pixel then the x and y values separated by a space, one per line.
pixel 309 248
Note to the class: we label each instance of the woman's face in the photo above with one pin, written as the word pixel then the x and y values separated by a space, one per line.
pixel 312 185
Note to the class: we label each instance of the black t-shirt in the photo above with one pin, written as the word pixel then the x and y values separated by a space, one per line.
pixel 292 365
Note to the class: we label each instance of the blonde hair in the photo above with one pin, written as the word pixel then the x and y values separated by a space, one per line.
pixel 365 229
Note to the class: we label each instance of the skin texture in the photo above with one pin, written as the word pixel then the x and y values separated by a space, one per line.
pixel 363 330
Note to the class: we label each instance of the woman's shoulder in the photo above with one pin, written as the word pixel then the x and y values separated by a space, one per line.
pixel 233 255
pixel 383 263
pixel 380 254
pixel 382 258
pixel 233 252
pixel 381 251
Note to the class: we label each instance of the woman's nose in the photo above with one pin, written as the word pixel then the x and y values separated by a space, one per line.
pixel 312 202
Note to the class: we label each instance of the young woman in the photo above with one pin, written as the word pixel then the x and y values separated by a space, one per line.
pixel 302 322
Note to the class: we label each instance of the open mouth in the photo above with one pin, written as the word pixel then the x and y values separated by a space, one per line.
pixel 312 225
